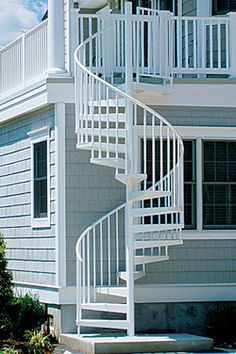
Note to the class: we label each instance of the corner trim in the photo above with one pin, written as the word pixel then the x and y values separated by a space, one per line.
pixel 60 194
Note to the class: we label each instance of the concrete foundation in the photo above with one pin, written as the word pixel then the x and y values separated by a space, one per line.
pixel 181 342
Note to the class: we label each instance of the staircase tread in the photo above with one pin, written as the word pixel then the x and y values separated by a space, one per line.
pixel 106 307
pixel 103 147
pixel 111 117
pixel 138 212
pixel 112 102
pixel 111 132
pixel 109 162
pixel 149 259
pixel 112 323
pixel 139 228
pixel 138 244
pixel 148 194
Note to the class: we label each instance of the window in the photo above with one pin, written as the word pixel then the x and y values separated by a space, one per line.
pixel 156 4
pixel 40 177
pixel 223 6
pixel 219 185
pixel 190 184
pixel 40 180
pixel 189 176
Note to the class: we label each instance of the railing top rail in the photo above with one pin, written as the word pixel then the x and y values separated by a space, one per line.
pixel 34 29
pixel 100 220
pixel 115 89
pixel 202 18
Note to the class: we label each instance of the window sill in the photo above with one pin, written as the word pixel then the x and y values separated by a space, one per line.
pixel 209 235
pixel 41 223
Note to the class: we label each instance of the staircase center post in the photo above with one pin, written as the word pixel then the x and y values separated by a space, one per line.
pixel 129 169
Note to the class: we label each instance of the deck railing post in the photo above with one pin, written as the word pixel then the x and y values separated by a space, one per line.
pixel 23 58
pixel 128 47
pixel 73 37
pixel 56 38
pixel 107 43
pixel 232 43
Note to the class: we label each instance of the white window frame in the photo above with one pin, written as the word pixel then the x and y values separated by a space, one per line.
pixel 199 134
pixel 37 136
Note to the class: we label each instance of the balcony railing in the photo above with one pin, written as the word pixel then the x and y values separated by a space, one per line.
pixel 163 45
pixel 24 60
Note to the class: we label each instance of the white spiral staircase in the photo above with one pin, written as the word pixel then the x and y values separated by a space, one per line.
pixel 147 155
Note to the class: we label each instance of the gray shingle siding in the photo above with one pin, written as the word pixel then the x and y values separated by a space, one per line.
pixel 31 252
pixel 189 8
pixel 195 262
pixel 91 191
pixel 199 116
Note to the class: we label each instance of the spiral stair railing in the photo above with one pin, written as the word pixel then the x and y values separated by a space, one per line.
pixel 113 125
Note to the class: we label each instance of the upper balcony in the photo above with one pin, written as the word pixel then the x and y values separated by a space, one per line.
pixel 163 47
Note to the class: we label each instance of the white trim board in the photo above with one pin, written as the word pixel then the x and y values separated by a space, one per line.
pixel 209 235
pixel 191 94
pixel 38 136
pixel 60 194
pixel 185 293
pixel 149 293
pixel 47 92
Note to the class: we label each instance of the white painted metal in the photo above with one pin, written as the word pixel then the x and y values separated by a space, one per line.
pixel 232 51
pixel 163 46
pixel 106 118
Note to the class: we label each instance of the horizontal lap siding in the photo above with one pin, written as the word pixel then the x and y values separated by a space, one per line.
pixel 189 7
pixel 91 191
pixel 199 116
pixel 207 261
pixel 196 261
pixel 31 252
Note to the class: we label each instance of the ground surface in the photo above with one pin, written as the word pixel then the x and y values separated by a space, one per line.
pixel 60 349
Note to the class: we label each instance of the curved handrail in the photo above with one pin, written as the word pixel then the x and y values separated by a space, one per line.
pixel 89 228
pixel 96 100
pixel 115 89
pixel 126 96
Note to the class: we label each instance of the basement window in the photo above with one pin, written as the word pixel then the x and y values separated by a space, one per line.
pixel 40 178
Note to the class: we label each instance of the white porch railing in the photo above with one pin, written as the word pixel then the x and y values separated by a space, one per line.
pixel 163 45
pixel 24 59
pixel 99 256
pixel 196 45
pixel 201 46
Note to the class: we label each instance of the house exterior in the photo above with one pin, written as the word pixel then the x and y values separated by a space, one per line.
pixel 118 163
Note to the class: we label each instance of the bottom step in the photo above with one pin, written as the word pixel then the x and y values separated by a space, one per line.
pixel 115 324
pixel 94 344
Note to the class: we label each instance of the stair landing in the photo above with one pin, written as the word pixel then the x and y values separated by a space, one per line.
pixel 94 344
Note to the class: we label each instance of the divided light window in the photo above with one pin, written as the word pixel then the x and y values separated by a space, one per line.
pixel 40 180
pixel 190 184
pixel 219 185
pixel 189 176
pixel 160 4
pixel 223 6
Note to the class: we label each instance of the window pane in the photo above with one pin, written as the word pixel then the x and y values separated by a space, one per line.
pixel 223 6
pixel 189 184
pixel 219 185
pixel 40 180
pixel 189 176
